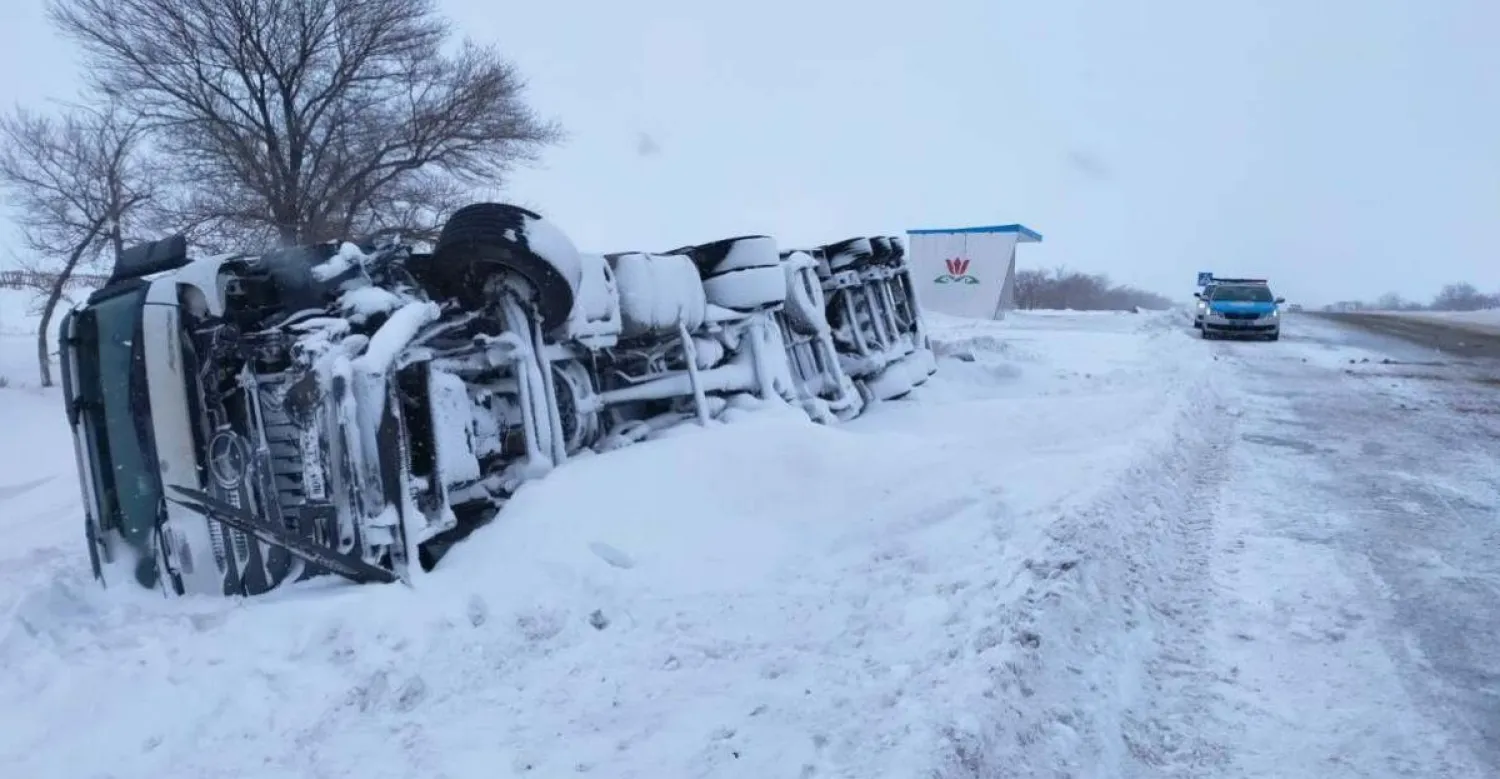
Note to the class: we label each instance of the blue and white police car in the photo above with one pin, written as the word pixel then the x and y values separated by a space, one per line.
pixel 1240 308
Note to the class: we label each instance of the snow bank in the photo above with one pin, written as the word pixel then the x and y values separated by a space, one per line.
pixel 953 585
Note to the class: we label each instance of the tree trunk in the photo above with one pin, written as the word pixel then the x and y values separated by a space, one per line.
pixel 117 239
pixel 43 358
pixel 64 274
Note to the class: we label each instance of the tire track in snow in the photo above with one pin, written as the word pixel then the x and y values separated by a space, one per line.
pixel 1105 670
pixel 1169 733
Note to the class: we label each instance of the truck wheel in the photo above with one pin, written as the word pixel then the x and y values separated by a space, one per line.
pixel 805 305
pixel 849 254
pixel 741 274
pixel 481 239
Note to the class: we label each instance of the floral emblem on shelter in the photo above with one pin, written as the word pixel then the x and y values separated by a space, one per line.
pixel 958 272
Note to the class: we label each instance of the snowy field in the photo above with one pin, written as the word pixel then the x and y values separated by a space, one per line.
pixel 1085 548
pixel 18 325
pixel 1488 319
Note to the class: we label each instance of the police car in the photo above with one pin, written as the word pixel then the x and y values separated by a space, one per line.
pixel 1239 308
pixel 1202 304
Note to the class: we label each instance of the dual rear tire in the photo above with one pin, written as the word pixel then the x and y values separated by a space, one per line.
pixel 483 239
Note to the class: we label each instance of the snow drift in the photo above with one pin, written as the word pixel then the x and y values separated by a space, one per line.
pixel 953 584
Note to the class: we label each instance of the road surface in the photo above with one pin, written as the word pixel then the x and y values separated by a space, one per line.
pixel 1356 553
pixel 1456 338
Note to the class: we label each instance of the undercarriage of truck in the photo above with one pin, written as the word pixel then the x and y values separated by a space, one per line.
pixel 245 422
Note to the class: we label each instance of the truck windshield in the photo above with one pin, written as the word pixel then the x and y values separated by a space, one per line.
pixel 111 390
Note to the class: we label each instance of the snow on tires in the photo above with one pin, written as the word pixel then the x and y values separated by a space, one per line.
pixel 363 414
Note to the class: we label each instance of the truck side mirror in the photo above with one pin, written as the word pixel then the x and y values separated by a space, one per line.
pixel 1279 301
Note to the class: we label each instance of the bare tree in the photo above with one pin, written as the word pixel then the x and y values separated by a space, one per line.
pixel 1030 284
pixel 74 182
pixel 1390 301
pixel 306 120
pixel 1062 289
pixel 1463 296
pixel 1393 301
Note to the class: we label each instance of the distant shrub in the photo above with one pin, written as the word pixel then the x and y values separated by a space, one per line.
pixel 1062 289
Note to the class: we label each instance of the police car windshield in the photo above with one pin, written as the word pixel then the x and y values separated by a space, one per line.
pixel 1243 293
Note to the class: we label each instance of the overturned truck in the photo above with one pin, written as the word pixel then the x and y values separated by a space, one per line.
pixel 244 422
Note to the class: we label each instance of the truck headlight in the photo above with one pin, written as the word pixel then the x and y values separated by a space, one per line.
pixel 1271 315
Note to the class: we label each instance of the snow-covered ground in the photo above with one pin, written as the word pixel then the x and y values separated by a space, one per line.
pixel 18 324
pixel 1092 545
pixel 16 317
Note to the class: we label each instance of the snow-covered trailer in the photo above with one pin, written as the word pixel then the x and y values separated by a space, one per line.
pixel 967 271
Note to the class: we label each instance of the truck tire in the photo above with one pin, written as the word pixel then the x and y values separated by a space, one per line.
pixel 805 307
pixel 849 254
pixel 898 250
pixel 482 238
pixel 742 274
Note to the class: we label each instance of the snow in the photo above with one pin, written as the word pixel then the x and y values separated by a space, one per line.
pixel 854 249
pixel 553 245
pixel 16 307
pixel 453 420
pixel 1488 319
pixel 393 336
pixel 805 305
pixel 766 597
pixel 595 300
pixel 1342 475
pixel 18 323
pixel 657 292
pixel 361 303
pixel 1013 572
pixel 348 256
pixel 751 289
pixel 595 318
pixel 757 251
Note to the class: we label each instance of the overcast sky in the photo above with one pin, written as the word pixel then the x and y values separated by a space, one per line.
pixel 1342 148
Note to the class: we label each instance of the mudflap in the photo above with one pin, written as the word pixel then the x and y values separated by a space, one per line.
pixel 346 565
